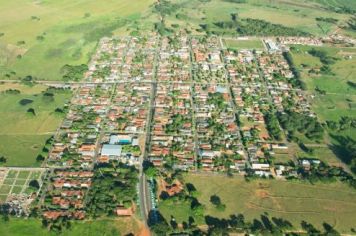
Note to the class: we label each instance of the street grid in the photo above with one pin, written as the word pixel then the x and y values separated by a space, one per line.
pixel 152 72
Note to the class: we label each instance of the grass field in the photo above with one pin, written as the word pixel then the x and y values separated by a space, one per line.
pixel 243 44
pixel 296 14
pixel 295 201
pixel 339 96
pixel 50 34
pixel 22 135
pixel 42 36
pixel 105 227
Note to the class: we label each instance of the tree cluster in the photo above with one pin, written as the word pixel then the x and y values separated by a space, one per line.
pixel 298 122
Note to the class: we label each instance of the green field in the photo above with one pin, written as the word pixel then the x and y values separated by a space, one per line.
pixel 42 36
pixel 340 98
pixel 56 33
pixel 296 14
pixel 243 44
pixel 22 135
pixel 105 227
pixel 295 201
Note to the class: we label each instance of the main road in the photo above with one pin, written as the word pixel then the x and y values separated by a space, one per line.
pixel 145 194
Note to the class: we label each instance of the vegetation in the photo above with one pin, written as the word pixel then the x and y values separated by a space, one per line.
pixel 73 73
pixel 296 122
pixel 105 226
pixel 280 198
pixel 255 27
pixel 51 44
pixel 22 135
pixel 273 125
pixel 114 184
pixel 296 81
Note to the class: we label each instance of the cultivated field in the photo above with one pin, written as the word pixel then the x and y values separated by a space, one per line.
pixel 295 201
pixel 23 134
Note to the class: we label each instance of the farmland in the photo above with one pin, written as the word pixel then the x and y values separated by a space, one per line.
pixel 23 134
pixel 294 201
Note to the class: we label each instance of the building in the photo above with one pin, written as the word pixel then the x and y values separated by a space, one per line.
pixel 111 150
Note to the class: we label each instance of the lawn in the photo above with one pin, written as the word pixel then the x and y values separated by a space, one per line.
pixel 243 44
pixel 295 201
pixel 181 211
pixel 100 227
pixel 22 134
pixel 50 34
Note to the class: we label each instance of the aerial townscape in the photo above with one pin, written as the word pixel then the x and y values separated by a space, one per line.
pixel 177 117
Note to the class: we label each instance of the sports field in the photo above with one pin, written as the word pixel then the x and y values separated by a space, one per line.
pixel 22 133
pixel 243 44
pixel 295 201
pixel 42 36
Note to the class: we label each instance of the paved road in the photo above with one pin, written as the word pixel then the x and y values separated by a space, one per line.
pixel 144 190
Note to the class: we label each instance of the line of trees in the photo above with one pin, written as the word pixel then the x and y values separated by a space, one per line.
pixel 272 125
pixel 296 81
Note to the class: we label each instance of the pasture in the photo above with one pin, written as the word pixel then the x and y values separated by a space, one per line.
pixel 294 201
pixel 42 36
pixel 340 97
pixel 296 14
pixel 22 133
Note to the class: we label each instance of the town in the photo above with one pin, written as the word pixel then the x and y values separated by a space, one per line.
pixel 180 102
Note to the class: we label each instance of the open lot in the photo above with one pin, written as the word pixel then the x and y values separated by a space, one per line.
pixel 295 201
pixel 22 134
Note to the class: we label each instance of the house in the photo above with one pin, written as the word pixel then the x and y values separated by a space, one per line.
pixel 122 211
pixel 259 166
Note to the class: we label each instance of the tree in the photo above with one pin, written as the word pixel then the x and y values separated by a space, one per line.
pixel 40 158
pixel 34 183
pixel 3 159
pixel 310 228
pixel 329 230
pixel 215 200
pixel 31 111
pixel 151 172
